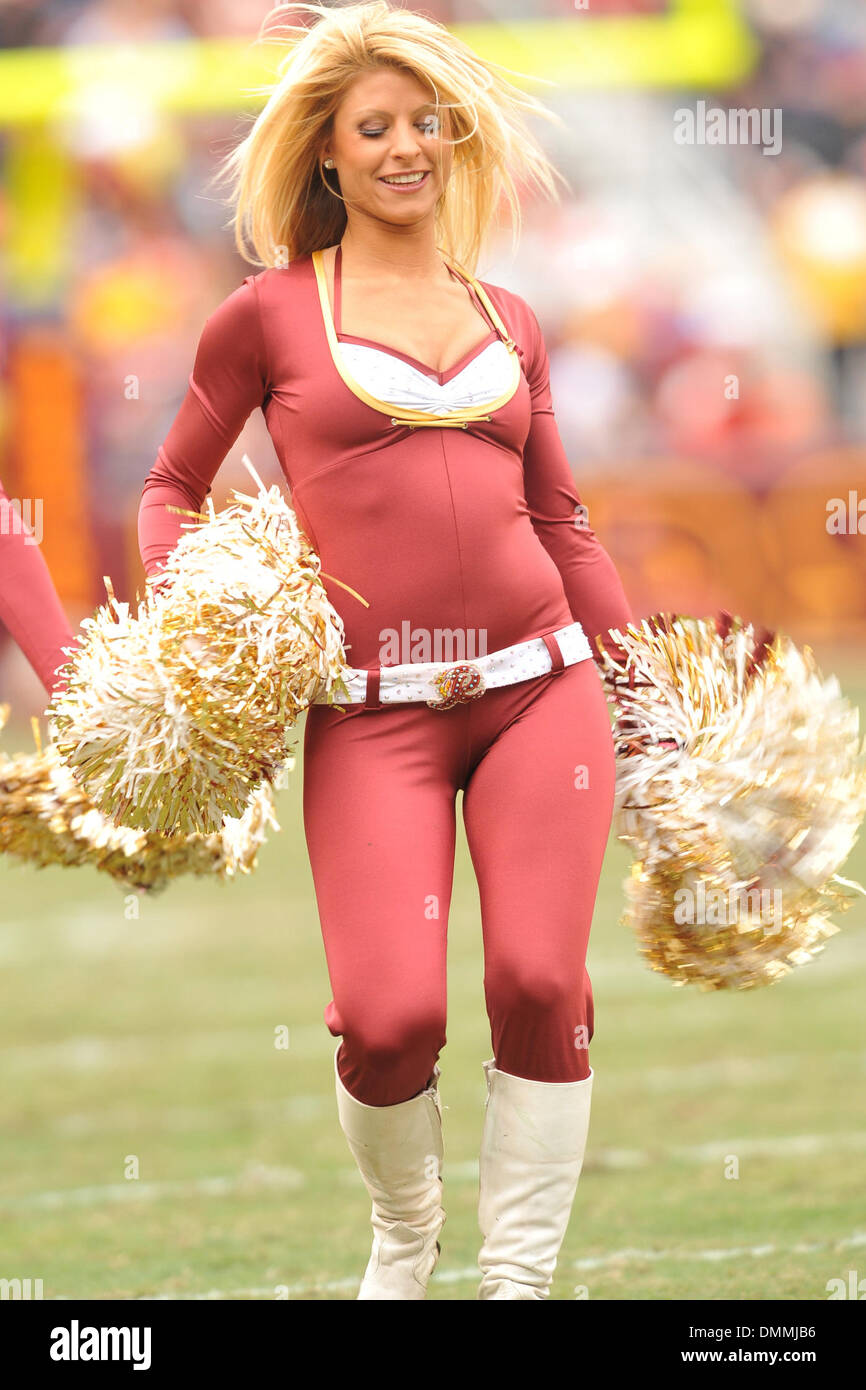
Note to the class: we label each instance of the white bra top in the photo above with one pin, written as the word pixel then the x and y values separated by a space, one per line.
pixel 403 386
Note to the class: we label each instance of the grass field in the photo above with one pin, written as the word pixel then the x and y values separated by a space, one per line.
pixel 152 1041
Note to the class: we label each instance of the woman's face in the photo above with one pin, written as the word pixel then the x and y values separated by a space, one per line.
pixel 387 124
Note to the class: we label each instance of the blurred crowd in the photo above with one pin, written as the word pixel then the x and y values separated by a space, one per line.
pixel 699 301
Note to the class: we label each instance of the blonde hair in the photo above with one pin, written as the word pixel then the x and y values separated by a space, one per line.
pixel 282 208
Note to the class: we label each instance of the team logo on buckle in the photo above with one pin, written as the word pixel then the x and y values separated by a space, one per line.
pixel 457 685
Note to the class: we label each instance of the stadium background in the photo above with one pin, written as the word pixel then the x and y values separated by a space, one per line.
pixel 704 308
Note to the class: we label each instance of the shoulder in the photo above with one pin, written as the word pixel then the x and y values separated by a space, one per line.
pixel 277 291
pixel 256 289
pixel 276 279
pixel 505 295
pixel 517 314
pixel 237 311
pixel 232 331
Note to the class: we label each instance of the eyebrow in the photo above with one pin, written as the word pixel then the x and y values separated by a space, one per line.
pixel 375 111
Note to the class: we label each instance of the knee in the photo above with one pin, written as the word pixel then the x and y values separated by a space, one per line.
pixel 389 1039
pixel 538 991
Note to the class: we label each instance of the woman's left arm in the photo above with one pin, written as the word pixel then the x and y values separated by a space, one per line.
pixel 592 585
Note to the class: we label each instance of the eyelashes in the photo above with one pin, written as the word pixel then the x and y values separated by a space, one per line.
pixel 430 126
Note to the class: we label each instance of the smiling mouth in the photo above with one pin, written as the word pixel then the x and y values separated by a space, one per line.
pixel 406 180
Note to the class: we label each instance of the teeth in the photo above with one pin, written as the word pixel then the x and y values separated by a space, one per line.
pixel 404 178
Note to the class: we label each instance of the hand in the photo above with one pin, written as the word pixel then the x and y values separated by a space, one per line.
pixel 158 583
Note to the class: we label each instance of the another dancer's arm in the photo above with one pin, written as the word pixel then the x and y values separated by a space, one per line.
pixel 29 604
pixel 592 585
pixel 227 382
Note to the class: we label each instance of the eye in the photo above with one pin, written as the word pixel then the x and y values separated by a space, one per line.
pixel 428 124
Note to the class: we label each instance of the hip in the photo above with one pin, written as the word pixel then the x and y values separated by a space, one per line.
pixel 416 741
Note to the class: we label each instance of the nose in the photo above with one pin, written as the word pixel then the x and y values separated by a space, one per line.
pixel 405 139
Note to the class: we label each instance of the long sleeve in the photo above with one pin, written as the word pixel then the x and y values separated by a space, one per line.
pixel 592 585
pixel 228 381
pixel 30 608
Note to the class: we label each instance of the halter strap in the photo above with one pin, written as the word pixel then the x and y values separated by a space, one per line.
pixel 476 294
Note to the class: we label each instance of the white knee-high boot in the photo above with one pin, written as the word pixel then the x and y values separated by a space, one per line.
pixel 532 1149
pixel 398 1149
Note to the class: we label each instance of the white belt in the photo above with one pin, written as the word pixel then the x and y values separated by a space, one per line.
pixel 444 685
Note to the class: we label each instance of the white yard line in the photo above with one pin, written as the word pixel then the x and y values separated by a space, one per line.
pixel 473 1274
pixel 781 1146
pixel 255 1177
pixel 731 1252
pixel 258 1177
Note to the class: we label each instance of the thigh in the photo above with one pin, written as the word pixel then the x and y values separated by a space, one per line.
pixel 537 808
pixel 379 820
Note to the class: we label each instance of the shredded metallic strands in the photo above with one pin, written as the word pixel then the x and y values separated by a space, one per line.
pixel 741 786
pixel 172 717
pixel 45 818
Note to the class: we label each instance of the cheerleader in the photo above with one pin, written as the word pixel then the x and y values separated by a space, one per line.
pixel 410 408
pixel 30 608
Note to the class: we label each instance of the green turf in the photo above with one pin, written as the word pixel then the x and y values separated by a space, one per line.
pixel 154 1038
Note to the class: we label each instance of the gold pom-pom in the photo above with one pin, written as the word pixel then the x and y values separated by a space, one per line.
pixel 172 717
pixel 741 786
pixel 46 818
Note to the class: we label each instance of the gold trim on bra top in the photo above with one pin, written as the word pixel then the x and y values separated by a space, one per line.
pixel 414 419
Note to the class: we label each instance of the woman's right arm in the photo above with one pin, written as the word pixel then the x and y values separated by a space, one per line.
pixel 30 607
pixel 228 381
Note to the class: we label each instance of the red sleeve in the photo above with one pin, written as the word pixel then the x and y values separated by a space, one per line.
pixel 30 608
pixel 592 585
pixel 227 382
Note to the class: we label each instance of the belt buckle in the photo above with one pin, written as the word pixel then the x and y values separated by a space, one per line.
pixel 457 685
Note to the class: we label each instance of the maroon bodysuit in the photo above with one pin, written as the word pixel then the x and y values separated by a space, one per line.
pixel 444 524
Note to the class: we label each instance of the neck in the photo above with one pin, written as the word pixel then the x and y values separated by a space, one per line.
pixel 393 253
